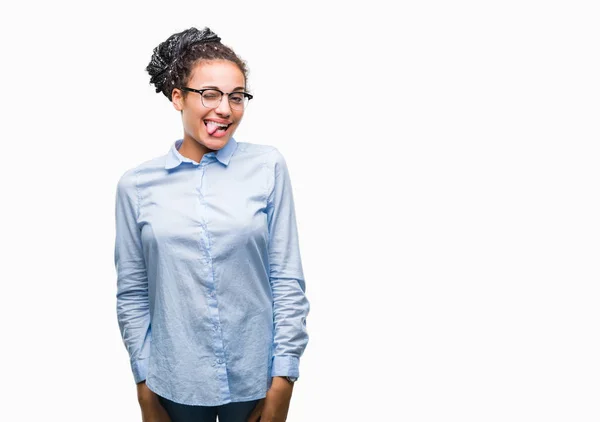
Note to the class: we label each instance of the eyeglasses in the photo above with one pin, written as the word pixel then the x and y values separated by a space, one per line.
pixel 211 98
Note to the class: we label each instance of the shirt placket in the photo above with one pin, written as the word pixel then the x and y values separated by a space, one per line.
pixel 218 362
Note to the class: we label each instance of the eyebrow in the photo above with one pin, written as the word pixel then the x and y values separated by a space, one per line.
pixel 239 88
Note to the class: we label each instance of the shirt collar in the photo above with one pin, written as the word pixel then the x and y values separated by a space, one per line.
pixel 174 158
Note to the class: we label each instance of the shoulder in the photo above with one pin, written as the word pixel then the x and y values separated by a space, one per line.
pixel 249 150
pixel 128 179
pixel 270 155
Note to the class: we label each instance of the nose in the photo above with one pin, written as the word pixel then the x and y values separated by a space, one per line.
pixel 224 109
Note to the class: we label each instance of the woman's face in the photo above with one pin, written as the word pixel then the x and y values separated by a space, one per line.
pixel 220 74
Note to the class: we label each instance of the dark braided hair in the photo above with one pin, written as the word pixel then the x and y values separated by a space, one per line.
pixel 174 59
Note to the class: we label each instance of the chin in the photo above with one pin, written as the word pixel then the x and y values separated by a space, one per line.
pixel 215 143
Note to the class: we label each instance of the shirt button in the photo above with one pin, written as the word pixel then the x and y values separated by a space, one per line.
pixel 219 361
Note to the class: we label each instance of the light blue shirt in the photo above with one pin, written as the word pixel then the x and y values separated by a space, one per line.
pixel 210 289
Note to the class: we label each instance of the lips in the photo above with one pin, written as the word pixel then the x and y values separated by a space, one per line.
pixel 212 126
pixel 217 128
pixel 218 122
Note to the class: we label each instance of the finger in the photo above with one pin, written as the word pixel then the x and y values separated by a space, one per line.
pixel 255 416
pixel 256 412
pixel 267 413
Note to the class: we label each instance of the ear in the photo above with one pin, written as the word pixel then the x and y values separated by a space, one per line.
pixel 177 99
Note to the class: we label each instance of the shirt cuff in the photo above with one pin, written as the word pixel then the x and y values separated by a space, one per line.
pixel 285 366
pixel 140 370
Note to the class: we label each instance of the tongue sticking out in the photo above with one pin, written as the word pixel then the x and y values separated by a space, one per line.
pixel 211 127
pixel 215 130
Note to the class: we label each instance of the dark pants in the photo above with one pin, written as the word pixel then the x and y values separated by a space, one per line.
pixel 230 412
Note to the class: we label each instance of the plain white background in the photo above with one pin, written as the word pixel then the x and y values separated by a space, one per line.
pixel 444 158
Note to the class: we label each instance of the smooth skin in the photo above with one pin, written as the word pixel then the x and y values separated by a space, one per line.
pixel 227 77
pixel 152 410
pixel 223 75
pixel 274 407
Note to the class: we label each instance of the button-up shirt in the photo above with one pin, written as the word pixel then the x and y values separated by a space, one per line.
pixel 210 288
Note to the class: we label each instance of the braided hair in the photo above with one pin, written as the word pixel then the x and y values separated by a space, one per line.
pixel 174 59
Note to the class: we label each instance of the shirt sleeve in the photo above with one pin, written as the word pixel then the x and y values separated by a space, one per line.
pixel 290 305
pixel 133 308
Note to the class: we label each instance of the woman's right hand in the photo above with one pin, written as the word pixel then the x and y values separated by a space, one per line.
pixel 152 410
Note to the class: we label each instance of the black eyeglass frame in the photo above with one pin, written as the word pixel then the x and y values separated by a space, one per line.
pixel 201 91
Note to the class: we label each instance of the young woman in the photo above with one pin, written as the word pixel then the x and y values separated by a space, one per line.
pixel 210 288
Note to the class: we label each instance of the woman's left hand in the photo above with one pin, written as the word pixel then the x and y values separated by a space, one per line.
pixel 274 407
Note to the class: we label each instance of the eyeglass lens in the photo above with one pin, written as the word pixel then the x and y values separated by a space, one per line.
pixel 212 99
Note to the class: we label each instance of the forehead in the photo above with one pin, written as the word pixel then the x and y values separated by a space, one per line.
pixel 220 73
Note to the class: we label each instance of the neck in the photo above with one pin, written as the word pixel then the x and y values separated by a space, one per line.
pixel 193 150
